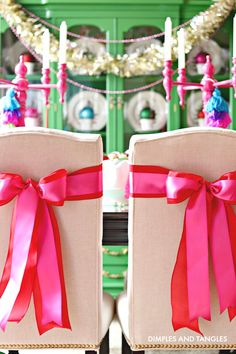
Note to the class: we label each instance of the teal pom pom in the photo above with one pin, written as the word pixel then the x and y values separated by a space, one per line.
pixel 11 93
pixel 9 102
pixel 217 103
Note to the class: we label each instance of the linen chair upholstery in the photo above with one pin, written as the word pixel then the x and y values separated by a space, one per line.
pixel 155 229
pixel 36 153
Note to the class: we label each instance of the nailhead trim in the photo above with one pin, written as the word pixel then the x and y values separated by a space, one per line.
pixel 183 346
pixel 48 346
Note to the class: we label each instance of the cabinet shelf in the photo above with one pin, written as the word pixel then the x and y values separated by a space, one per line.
pixel 102 133
pixel 218 77
pixel 147 132
pixel 30 77
pixel 87 78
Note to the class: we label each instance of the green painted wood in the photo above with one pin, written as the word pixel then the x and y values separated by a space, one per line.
pixel 174 117
pixel 110 11
pixel 120 131
pixel 111 139
pixel 114 265
pixel 55 108
pixel 108 26
pixel 92 2
pixel 3 25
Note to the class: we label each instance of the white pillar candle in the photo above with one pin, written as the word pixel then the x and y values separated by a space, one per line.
pixel 168 38
pixel 181 49
pixel 63 37
pixel 234 38
pixel 46 49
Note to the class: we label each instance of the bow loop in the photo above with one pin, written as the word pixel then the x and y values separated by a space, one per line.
pixel 225 188
pixel 34 261
pixel 10 185
pixel 53 187
pixel 209 225
pixel 180 186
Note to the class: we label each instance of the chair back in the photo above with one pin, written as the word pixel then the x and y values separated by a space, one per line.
pixel 35 154
pixel 155 229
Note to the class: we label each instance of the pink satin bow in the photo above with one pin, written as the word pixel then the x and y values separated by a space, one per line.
pixel 34 262
pixel 209 224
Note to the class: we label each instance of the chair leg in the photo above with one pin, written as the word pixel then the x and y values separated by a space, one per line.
pixel 126 348
pixel 104 347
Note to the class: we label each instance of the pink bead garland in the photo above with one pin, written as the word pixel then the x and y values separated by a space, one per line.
pixel 101 40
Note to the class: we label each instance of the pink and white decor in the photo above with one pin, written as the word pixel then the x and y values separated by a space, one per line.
pixel 208 83
pixel 21 84
pixel 32 117
pixel 115 175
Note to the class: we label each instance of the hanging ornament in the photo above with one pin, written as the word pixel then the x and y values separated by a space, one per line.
pixel 10 109
pixel 86 117
pixel 147 118
pixel 200 61
pixel 217 111
pixel 201 118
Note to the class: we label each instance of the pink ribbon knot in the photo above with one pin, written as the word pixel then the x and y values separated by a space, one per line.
pixel 34 261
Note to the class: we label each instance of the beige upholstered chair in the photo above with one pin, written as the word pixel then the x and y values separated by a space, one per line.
pixel 155 229
pixel 36 153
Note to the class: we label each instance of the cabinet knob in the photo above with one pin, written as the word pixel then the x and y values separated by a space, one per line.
pixel 123 252
pixel 120 102
pixel 109 275
pixel 111 102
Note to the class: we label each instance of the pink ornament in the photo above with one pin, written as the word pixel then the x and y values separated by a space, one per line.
pixel 32 112
pixel 223 122
pixel 201 58
pixel 11 117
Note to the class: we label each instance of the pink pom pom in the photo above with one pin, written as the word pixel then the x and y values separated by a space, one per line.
pixel 10 117
pixel 31 112
pixel 223 122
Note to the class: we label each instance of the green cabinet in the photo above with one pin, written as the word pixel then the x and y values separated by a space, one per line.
pixel 119 20
pixel 115 262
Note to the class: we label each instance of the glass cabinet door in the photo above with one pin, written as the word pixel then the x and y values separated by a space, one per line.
pixel 85 110
pixel 144 111
pixel 218 48
pixel 11 49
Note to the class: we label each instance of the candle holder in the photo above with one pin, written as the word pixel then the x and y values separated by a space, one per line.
pixel 46 81
pixel 61 85
pixel 207 84
pixel 168 78
pixel 181 89
pixel 21 85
